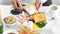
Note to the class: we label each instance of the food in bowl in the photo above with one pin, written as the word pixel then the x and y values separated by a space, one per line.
pixel 10 20
pixel 15 11
pixel 10 31
pixel 54 7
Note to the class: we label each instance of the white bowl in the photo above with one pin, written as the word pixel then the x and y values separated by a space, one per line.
pixel 11 24
pixel 10 31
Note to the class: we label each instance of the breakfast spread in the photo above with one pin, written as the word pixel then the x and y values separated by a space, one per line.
pixel 10 20
pixel 28 23
pixel 28 17
pixel 34 21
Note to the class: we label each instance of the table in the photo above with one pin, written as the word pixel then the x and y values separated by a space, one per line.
pixel 49 27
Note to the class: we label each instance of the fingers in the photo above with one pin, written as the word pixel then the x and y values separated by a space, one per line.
pixel 14 3
pixel 37 4
pixel 17 3
pixel 20 4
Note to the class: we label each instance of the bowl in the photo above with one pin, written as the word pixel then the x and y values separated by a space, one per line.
pixel 10 31
pixel 10 20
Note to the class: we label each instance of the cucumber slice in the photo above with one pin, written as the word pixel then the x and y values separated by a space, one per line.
pixel 40 25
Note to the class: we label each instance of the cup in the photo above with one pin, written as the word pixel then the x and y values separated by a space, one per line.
pixel 52 11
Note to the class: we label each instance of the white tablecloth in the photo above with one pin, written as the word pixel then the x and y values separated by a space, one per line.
pixel 50 27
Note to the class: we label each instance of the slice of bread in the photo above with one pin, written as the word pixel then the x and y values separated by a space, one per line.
pixel 30 8
pixel 39 17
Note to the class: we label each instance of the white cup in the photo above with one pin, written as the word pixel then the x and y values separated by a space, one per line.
pixel 52 11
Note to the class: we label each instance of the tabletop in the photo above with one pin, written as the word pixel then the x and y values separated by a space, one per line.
pixel 50 27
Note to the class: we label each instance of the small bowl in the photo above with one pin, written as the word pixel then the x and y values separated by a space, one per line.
pixel 10 31
pixel 12 23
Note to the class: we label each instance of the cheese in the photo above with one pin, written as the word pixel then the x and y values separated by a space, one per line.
pixel 35 27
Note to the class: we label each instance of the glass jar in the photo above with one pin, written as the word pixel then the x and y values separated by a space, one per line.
pixel 1 27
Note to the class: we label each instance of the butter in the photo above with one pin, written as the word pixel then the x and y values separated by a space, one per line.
pixel 35 27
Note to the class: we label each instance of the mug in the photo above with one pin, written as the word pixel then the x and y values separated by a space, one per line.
pixel 53 11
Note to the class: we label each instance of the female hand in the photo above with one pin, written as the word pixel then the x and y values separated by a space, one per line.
pixel 37 4
pixel 17 4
